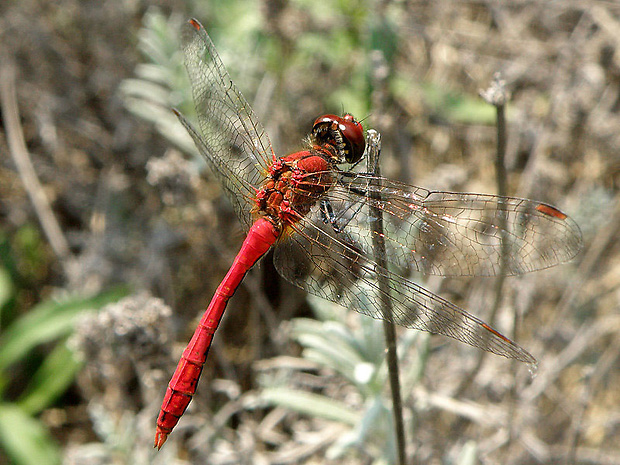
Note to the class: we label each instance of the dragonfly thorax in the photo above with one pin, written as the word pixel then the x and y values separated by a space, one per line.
pixel 295 183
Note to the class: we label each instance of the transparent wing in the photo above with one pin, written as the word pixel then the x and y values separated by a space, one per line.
pixel 336 268
pixel 231 138
pixel 453 234
pixel 331 253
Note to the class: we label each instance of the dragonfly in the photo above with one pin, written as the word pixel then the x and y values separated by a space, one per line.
pixel 317 214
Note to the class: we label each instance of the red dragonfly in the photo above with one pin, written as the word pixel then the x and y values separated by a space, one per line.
pixel 318 217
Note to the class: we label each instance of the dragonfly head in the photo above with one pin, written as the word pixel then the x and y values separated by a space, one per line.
pixel 344 133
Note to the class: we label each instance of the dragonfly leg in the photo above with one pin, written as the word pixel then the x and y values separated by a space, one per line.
pixel 328 216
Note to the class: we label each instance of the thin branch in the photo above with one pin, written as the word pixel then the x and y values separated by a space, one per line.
pixel 496 96
pixel 599 245
pixel 21 157
pixel 378 240
pixel 602 370
pixel 584 338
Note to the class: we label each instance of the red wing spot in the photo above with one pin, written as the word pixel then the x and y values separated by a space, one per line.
pixel 497 333
pixel 195 23
pixel 551 211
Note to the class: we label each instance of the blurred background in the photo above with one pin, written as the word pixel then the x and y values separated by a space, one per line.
pixel 113 235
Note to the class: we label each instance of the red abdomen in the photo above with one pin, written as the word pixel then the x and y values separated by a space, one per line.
pixel 182 386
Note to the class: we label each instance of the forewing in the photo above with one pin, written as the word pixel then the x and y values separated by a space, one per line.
pixel 454 234
pixel 334 266
pixel 231 138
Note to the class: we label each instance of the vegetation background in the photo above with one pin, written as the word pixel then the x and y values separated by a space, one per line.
pixel 113 238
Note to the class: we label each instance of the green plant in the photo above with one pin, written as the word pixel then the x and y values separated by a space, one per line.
pixel 356 353
pixel 161 82
pixel 24 438
pixel 36 366
pixel 255 53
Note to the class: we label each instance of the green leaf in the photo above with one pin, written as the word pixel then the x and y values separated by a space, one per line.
pixel 328 343
pixel 452 106
pixel 313 405
pixel 48 321
pixel 6 286
pixel 50 381
pixel 458 107
pixel 384 37
pixel 25 440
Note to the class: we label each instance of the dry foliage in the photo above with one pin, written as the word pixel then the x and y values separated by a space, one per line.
pixel 94 160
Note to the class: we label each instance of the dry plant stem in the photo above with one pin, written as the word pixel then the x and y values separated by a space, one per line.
pixel 21 157
pixel 602 370
pixel 496 96
pixel 585 337
pixel 595 252
pixel 374 150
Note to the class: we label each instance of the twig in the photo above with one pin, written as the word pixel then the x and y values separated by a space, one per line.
pixel 496 95
pixel 378 241
pixel 314 443
pixel 489 416
pixel 585 337
pixel 601 371
pixel 21 157
pixel 598 246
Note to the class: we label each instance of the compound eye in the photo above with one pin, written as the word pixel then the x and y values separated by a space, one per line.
pixel 351 134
